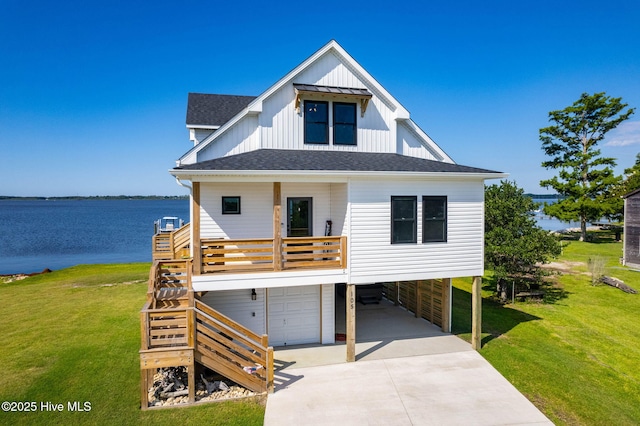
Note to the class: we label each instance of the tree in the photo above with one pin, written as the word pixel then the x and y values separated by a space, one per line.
pixel 631 177
pixel 514 244
pixel 585 179
pixel 629 183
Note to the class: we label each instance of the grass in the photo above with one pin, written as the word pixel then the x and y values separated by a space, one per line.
pixel 74 335
pixel 575 356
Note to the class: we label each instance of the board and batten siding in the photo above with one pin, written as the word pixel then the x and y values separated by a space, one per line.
pixel 198 135
pixel 281 127
pixel 241 138
pixel 237 305
pixel 372 257
pixel 410 144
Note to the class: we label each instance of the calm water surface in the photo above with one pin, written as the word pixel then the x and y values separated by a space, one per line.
pixel 551 223
pixel 57 234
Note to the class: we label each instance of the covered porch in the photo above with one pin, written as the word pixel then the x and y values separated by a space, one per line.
pixel 267 236
pixel 301 231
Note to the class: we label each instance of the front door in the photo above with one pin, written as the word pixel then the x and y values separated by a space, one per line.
pixel 299 217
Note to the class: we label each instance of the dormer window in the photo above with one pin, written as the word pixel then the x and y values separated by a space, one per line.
pixel 337 110
pixel 344 124
pixel 316 122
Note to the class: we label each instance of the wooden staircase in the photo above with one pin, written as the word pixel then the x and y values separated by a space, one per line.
pixel 179 330
pixel 172 245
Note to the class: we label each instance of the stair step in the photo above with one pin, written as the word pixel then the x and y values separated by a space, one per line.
pixel 172 294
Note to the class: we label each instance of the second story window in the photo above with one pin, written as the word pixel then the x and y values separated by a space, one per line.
pixel 316 122
pixel 344 124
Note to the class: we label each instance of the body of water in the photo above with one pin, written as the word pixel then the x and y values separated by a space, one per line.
pixel 55 234
pixel 551 223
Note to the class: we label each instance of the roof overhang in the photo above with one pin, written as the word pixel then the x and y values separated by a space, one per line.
pixel 321 175
pixel 202 126
pixel 631 194
pixel 332 92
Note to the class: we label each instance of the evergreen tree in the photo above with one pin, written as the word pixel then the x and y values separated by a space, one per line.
pixel 630 182
pixel 584 177
pixel 514 244
pixel 632 177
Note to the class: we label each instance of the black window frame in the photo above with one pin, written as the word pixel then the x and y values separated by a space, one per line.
pixel 354 124
pixel 307 121
pixel 225 209
pixel 394 220
pixel 438 223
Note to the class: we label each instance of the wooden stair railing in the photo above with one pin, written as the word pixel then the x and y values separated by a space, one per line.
pixel 172 245
pixel 170 284
pixel 233 350
pixel 178 330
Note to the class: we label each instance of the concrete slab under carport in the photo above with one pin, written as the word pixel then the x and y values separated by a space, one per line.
pixel 407 373
pixel 382 331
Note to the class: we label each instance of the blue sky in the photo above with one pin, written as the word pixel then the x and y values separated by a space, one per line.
pixel 93 94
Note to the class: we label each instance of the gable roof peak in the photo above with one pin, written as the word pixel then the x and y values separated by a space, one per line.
pixel 255 106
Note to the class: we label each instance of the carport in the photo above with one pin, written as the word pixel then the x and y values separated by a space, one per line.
pixel 383 330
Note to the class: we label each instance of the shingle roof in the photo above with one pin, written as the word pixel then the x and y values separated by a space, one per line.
pixel 214 110
pixel 308 160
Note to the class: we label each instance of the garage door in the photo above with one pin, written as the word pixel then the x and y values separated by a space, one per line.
pixel 294 315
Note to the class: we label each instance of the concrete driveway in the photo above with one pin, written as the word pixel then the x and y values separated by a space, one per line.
pixel 407 373
pixel 459 388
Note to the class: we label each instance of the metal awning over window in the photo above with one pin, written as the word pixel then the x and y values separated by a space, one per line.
pixel 362 95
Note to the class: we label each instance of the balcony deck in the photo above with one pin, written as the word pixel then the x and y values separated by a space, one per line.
pixel 267 254
pixel 240 263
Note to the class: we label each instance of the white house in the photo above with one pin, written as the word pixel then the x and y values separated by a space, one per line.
pixel 323 179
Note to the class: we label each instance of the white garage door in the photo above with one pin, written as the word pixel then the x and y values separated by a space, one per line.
pixel 294 315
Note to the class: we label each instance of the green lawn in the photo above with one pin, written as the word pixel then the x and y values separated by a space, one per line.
pixel 74 335
pixel 576 356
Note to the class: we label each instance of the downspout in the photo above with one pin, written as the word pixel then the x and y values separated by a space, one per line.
pixel 179 182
